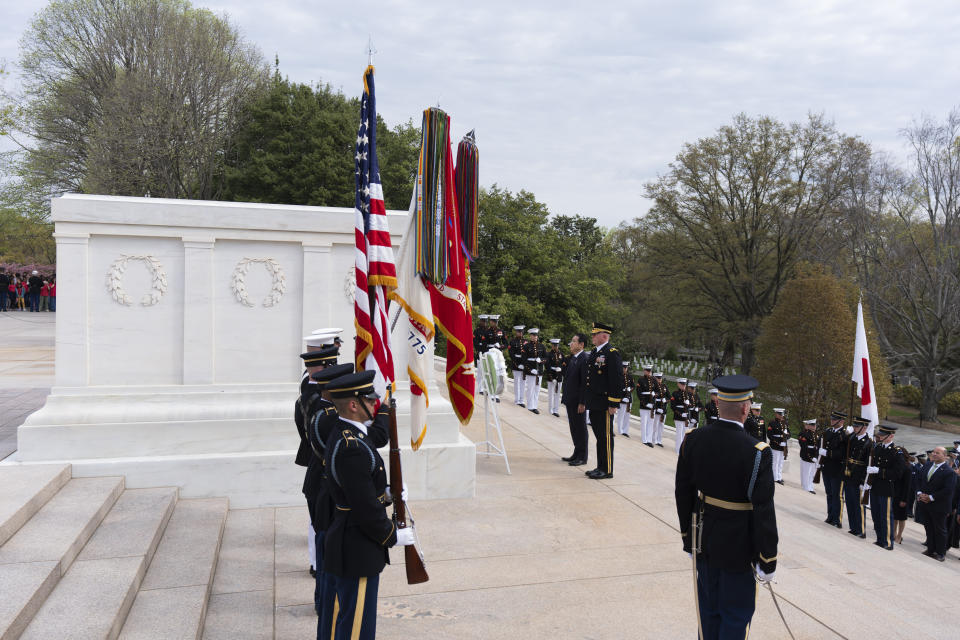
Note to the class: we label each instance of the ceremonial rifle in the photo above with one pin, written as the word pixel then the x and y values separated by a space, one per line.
pixel 865 498
pixel 416 572
pixel 816 476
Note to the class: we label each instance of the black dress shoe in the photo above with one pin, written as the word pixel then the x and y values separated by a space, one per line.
pixel 779 481
pixel 928 553
pixel 313 572
pixel 567 458
pixel 604 476
pixel 659 445
pixel 861 535
pixel 890 548
pixel 556 415
pixel 591 472
pixel 838 525
pixel 879 544
pixel 828 521
pixel 536 411
pixel 649 444
pixel 813 492
pixel 937 556
pixel 594 473
pixel 626 435
pixel 577 463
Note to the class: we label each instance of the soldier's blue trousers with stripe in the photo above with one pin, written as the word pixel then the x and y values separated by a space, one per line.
pixel 727 600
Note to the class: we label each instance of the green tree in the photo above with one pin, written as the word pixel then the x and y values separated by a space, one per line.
pixel 736 212
pixel 133 97
pixel 558 274
pixel 804 366
pixel 299 144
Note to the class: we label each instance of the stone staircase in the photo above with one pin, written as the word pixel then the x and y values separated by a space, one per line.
pixel 87 558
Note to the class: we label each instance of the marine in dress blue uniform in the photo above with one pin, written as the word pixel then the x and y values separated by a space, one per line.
pixel 724 494
pixel 358 538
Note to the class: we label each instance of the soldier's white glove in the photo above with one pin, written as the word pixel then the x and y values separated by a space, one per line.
pixel 873 470
pixel 823 452
pixel 686 402
pixel 865 487
pixel 683 415
pixel 649 406
pixel 762 577
pixel 403 493
pixel 660 411
pixel 405 537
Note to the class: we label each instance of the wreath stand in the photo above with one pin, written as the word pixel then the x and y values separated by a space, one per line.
pixel 491 415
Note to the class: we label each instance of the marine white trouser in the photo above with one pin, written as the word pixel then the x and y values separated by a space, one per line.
pixel 553 396
pixel 533 391
pixel 622 419
pixel 681 431
pixel 646 425
pixel 519 388
pixel 312 542
pixel 807 471
pixel 777 465
pixel 658 428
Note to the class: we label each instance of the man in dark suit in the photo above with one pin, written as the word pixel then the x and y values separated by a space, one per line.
pixel 934 501
pixel 574 381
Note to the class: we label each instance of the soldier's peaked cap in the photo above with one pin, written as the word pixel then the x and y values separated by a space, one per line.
pixel 886 429
pixel 494 316
pixel 861 422
pixel 534 331
pixel 331 373
pixel 554 340
pixel 602 327
pixel 353 385
pixel 326 355
pixel 735 388
pixel 810 421
pixel 482 316
pixel 519 327
pixel 837 415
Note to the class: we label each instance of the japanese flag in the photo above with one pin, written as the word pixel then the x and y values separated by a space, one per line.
pixel 863 375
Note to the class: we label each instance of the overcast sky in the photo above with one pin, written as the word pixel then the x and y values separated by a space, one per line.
pixel 581 103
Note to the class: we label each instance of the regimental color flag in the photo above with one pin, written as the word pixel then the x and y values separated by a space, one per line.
pixel 375 271
pixel 439 229
pixel 863 375
pixel 417 327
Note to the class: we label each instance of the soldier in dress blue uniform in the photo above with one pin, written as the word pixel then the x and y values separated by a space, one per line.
pixel 515 349
pixel 833 447
pixel 696 406
pixel 648 406
pixel 479 335
pixel 680 404
pixel 602 394
pixel 888 464
pixel 809 444
pixel 724 494
pixel 622 418
pixel 358 539
pixel 493 337
pixel 858 450
pixel 661 397
pixel 321 352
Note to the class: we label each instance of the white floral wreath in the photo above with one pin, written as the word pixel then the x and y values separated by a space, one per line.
pixel 239 284
pixel 158 285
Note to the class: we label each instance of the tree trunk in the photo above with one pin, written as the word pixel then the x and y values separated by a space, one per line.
pixel 928 401
pixel 747 354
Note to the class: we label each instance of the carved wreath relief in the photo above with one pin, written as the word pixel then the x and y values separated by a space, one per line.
pixel 158 285
pixel 239 285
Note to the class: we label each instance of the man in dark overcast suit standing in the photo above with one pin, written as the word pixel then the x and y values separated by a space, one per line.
pixel 934 501
pixel 574 381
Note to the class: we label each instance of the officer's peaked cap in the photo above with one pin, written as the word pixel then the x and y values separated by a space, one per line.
pixel 332 373
pixel 602 327
pixel 323 356
pixel 735 388
pixel 353 385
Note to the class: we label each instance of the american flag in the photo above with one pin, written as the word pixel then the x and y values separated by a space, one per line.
pixel 375 270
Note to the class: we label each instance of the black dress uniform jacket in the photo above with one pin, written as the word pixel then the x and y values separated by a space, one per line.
pixel 857 457
pixel 778 435
pixel 308 392
pixel 680 403
pixel 604 382
pixel 756 426
pixel 714 472
pixel 809 445
pixel 319 429
pixel 693 417
pixel 892 462
pixel 357 540
pixel 627 389
pixel 516 353
pixel 835 443
pixel 645 387
pixel 555 365
pixel 712 411
pixel 492 337
pixel 534 358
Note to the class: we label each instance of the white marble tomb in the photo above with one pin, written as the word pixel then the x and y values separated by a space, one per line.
pixel 179 326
